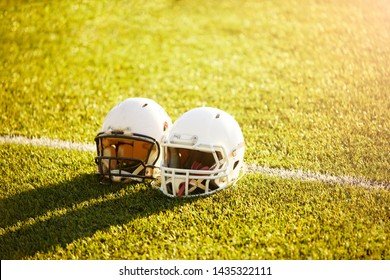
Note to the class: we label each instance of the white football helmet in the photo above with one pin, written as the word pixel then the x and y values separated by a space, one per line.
pixel 128 145
pixel 203 153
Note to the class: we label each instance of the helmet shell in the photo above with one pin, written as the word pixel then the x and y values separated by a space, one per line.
pixel 209 133
pixel 140 116
pixel 128 145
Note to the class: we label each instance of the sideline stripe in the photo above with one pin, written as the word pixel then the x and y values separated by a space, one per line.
pixel 251 168
pixel 46 142
pixel 318 177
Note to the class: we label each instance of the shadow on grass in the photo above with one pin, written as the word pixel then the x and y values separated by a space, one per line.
pixel 36 202
pixel 42 235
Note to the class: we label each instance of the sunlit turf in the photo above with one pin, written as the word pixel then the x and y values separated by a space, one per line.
pixel 72 216
pixel 308 81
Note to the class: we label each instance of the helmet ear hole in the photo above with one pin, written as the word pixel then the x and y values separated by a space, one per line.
pixel 235 164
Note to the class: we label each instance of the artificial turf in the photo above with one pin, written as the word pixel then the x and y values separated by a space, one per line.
pixel 307 81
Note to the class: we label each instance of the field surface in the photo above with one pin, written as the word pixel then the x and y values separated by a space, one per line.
pixel 307 80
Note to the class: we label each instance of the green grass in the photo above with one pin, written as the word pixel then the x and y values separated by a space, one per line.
pixel 71 216
pixel 308 81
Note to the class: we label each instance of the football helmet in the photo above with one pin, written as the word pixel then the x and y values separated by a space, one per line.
pixel 128 145
pixel 203 153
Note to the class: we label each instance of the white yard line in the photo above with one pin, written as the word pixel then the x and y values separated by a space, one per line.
pixel 46 142
pixel 317 177
pixel 251 168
